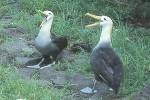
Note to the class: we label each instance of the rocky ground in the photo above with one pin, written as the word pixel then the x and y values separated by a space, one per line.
pixel 19 51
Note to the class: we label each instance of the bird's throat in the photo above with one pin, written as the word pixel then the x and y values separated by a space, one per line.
pixel 45 29
pixel 105 37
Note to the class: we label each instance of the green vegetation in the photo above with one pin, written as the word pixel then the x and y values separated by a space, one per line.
pixel 13 88
pixel 131 43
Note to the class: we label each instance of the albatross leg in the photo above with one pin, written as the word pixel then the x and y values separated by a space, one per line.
pixel 37 65
pixel 49 65
pixel 94 84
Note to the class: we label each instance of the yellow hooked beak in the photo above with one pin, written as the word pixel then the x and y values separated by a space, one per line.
pixel 44 15
pixel 40 11
pixel 95 17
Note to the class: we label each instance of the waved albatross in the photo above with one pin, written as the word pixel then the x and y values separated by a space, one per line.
pixel 47 45
pixel 105 63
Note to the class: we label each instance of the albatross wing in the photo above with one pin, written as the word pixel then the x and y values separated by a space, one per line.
pixel 107 67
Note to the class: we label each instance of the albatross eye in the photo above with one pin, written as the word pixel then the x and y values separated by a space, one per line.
pixel 104 18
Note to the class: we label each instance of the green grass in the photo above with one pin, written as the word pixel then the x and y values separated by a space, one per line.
pixel 80 64
pixel 133 49
pixel 12 87
pixel 131 43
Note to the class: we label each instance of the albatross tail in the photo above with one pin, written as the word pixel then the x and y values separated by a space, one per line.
pixel 61 42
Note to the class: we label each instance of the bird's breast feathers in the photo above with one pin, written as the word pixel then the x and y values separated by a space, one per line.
pixel 42 42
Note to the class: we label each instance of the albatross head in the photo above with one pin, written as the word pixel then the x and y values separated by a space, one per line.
pixel 106 23
pixel 105 20
pixel 48 16
pixel 102 20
